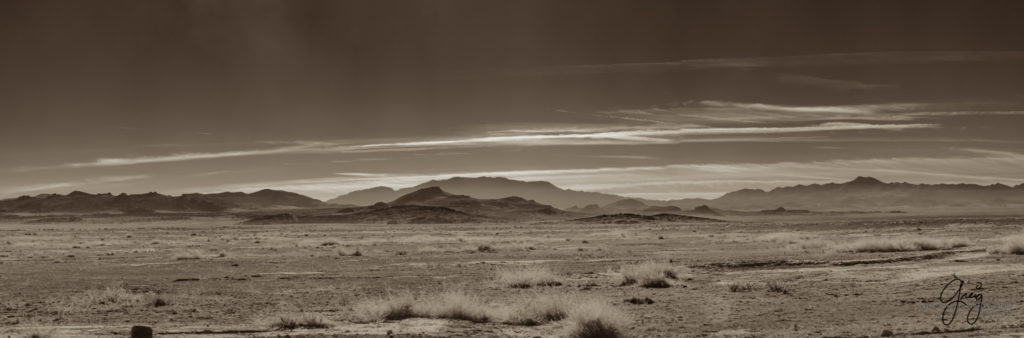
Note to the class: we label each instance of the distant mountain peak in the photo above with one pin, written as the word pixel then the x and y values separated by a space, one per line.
pixel 420 196
pixel 865 180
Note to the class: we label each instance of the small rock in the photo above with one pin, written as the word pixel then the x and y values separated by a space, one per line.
pixel 886 333
pixel 142 332
pixel 936 329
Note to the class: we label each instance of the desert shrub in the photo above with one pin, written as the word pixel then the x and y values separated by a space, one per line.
pixel 391 307
pixel 454 305
pixel 542 309
pixel 304 322
pixel 354 253
pixel 526 277
pixel 878 244
pixel 594 319
pixel 777 287
pixel 648 274
pixel 158 302
pixel 1012 245
pixel 639 301
pixel 446 305
pixel 38 335
pixel 111 295
pixel 744 287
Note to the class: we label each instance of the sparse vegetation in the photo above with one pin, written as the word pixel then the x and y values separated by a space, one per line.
pixel 353 253
pixel 526 277
pixel 485 248
pixel 741 287
pixel 648 274
pixel 640 301
pixel 543 309
pixel 594 319
pixel 447 305
pixel 303 322
pixel 777 287
pixel 878 244
pixel 158 302
pixel 459 305
pixel 1013 245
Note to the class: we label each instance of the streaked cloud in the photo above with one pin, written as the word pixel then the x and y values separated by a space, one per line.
pixel 589 137
pixel 814 81
pixel 797 61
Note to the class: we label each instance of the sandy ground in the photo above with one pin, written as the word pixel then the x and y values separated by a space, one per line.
pixel 221 279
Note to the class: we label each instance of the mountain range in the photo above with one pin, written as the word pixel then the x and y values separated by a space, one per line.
pixel 510 199
pixel 486 188
pixel 78 201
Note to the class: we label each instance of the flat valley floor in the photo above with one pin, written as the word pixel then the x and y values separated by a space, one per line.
pixel 798 276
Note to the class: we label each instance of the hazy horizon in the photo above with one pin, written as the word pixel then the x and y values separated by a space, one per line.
pixel 659 100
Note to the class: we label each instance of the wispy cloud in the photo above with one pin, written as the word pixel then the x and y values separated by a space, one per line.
pixel 590 137
pixel 814 81
pixel 712 111
pixel 797 61
pixel 700 179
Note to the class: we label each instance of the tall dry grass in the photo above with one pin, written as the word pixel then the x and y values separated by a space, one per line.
pixel 647 274
pixel 1010 245
pixel 525 277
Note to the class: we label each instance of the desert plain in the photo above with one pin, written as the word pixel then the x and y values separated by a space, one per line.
pixel 861 275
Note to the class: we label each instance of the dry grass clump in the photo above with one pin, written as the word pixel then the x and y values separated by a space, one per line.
pixel 346 252
pixel 878 244
pixel 777 287
pixel 741 287
pixel 542 309
pixel 649 274
pixel 1012 245
pixel 111 295
pixel 391 307
pixel 455 305
pixel 594 319
pixel 526 277
pixel 304 322
pixel 447 305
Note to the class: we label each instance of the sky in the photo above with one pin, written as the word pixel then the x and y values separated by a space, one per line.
pixel 653 99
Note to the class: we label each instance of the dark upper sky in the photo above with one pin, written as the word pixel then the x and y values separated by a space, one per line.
pixel 658 99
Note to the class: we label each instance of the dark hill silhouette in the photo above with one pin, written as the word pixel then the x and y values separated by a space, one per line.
pixel 507 208
pixel 867 193
pixel 80 202
pixel 486 188
pixel 663 209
